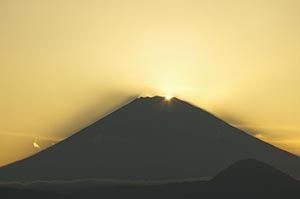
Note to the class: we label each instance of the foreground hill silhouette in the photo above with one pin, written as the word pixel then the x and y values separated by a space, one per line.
pixel 17 193
pixel 253 179
pixel 150 139
pixel 246 179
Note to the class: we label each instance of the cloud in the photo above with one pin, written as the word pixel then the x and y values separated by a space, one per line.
pixel 292 145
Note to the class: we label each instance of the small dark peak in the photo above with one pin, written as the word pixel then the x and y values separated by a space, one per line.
pixel 248 163
pixel 249 168
pixel 252 173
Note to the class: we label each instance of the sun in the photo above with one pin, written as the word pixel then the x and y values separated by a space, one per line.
pixel 168 97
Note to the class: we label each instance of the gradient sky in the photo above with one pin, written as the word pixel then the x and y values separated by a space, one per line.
pixel 65 63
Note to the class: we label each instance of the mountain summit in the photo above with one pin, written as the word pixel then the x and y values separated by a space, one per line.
pixel 150 138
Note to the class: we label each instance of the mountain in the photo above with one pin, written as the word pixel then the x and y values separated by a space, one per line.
pixel 245 179
pixel 253 179
pixel 150 139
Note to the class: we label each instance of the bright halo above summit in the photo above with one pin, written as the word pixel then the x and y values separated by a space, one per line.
pixel 168 97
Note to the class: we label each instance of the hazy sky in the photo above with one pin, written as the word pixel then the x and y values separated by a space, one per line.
pixel 65 63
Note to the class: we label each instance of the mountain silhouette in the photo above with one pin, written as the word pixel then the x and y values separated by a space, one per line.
pixel 150 138
pixel 245 179
pixel 253 179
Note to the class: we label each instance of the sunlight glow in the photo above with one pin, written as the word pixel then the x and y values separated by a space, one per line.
pixel 208 53
pixel 168 97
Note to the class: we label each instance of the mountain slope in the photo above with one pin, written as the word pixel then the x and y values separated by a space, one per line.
pixel 149 139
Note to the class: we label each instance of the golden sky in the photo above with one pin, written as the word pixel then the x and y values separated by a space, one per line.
pixel 65 63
